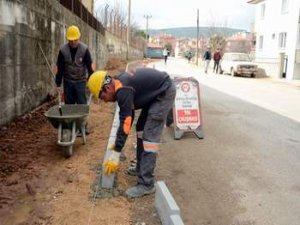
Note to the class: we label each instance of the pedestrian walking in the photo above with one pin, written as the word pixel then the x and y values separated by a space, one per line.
pixel 189 56
pixel 207 58
pixel 73 62
pixel 217 57
pixel 165 54
pixel 151 91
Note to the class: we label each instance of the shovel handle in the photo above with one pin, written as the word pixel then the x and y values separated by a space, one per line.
pixel 47 62
pixel 59 102
pixel 53 76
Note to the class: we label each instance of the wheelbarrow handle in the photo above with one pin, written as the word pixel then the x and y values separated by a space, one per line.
pixel 47 62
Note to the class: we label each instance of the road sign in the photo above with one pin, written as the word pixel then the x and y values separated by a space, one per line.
pixel 187 108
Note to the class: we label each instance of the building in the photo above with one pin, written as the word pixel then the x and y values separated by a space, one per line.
pixel 163 40
pixel 190 44
pixel 277 25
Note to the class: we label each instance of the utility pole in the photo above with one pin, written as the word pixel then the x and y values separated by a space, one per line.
pixel 128 29
pixel 147 20
pixel 197 52
pixel 105 16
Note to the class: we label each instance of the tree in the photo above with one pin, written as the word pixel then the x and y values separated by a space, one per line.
pixel 217 42
pixel 141 33
pixel 168 46
pixel 217 35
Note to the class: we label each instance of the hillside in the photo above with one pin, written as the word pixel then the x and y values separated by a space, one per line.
pixel 191 32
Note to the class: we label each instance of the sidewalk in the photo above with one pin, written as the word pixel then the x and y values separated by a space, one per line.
pixel 277 95
pixel 295 83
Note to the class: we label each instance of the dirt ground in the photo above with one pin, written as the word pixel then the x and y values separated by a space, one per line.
pixel 38 186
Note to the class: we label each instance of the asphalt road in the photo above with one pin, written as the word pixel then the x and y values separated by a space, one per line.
pixel 246 169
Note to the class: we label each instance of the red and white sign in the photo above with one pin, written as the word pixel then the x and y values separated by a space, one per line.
pixel 187 110
pixel 188 116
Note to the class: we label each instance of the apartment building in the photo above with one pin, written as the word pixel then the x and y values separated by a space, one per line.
pixel 277 27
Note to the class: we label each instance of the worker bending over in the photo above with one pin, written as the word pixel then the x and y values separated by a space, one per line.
pixel 151 91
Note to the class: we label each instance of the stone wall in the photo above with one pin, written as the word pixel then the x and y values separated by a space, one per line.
pixel 25 80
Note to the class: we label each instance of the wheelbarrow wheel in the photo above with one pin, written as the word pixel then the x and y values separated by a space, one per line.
pixel 68 151
pixel 66 136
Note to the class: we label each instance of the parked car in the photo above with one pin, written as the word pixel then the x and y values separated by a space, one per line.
pixel 238 64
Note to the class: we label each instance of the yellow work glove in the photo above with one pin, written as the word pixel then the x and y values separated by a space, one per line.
pixel 112 163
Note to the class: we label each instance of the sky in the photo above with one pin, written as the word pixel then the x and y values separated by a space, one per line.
pixel 183 13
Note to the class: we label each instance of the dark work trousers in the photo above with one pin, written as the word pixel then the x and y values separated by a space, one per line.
pixel 166 58
pixel 216 66
pixel 149 128
pixel 75 92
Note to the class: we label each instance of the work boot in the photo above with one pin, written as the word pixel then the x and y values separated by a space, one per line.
pixel 122 156
pixel 79 134
pixel 132 171
pixel 139 191
pixel 87 132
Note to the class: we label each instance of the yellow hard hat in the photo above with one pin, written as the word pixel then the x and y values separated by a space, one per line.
pixel 73 33
pixel 95 82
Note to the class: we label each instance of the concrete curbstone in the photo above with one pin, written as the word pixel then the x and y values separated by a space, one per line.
pixel 175 220
pixel 108 181
pixel 165 204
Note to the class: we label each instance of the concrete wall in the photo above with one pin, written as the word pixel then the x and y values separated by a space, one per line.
pixel 25 80
pixel 270 69
pixel 118 48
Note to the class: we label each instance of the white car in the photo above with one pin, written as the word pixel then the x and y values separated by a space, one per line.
pixel 238 64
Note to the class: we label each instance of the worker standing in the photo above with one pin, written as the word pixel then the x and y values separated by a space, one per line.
pixel 73 62
pixel 151 91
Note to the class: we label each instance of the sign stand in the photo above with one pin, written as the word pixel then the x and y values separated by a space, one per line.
pixel 187 114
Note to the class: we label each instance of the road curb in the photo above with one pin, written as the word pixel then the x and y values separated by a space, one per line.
pixel 108 181
pixel 166 206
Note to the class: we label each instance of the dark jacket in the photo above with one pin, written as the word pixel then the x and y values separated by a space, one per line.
pixel 207 55
pixel 136 91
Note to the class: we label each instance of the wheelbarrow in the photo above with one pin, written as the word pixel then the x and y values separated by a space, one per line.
pixel 69 120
